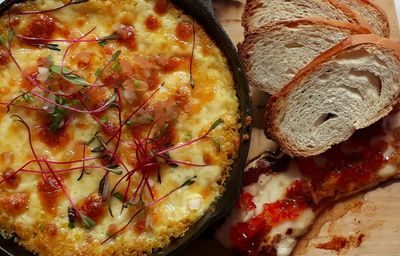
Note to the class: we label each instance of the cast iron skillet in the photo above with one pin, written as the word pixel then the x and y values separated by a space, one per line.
pixel 203 12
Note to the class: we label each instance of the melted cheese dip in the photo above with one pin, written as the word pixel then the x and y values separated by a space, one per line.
pixel 130 142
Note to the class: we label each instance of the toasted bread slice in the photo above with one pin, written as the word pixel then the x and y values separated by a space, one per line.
pixel 375 16
pixel 261 12
pixel 348 87
pixel 273 54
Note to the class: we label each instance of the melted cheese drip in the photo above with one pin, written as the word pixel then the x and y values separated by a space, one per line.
pixel 271 188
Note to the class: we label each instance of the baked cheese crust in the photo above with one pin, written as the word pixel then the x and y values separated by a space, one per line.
pixel 119 123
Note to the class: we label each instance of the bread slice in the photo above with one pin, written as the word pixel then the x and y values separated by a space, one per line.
pixel 261 12
pixel 273 54
pixel 346 88
pixel 375 16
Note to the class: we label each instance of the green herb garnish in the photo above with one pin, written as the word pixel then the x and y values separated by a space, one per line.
pixel 189 182
pixel 10 36
pixel 57 119
pixel 78 1
pixel 68 75
pixel 216 124
pixel 118 196
pixel 74 102
pixel 142 119
pixel 58 115
pixel 27 97
pixel 53 47
pixel 99 72
pixel 2 40
pixel 116 55
pixel 103 185
pixel 104 119
pixel 87 222
pixel 102 43
pixel 136 84
pixel 116 67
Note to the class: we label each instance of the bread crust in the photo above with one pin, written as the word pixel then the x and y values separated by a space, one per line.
pixel 252 5
pixel 246 47
pixel 381 14
pixel 384 22
pixel 276 103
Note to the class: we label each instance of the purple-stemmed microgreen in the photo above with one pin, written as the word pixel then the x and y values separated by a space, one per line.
pixel 20 169
pixel 45 99
pixel 73 40
pixel 28 129
pixel 86 221
pixel 67 50
pixel 151 151
pixel 154 202
pixel 113 58
pixel 148 160
pixel 135 112
pixel 83 162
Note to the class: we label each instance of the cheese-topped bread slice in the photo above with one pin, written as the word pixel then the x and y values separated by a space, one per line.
pixel 282 197
pixel 261 12
pixel 273 54
pixel 349 87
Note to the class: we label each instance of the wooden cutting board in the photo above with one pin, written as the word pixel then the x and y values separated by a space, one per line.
pixel 373 217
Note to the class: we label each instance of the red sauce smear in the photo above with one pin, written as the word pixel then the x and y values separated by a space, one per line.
pixel 245 202
pixel 41 26
pixel 140 226
pixel 344 168
pixel 109 128
pixel 174 63
pixel 15 204
pixel 49 193
pixel 283 210
pixel 43 61
pixel 161 7
pixel 247 236
pixel 184 31
pixel 340 243
pixel 112 228
pixel 127 36
pixel 94 207
pixel 181 96
pixel 11 179
pixel 4 57
pixel 347 166
pixel 25 84
pixel 152 23
pixel 336 244
pixel 59 138
pixel 96 96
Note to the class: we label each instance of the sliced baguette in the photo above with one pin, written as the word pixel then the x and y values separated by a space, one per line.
pixel 348 87
pixel 375 16
pixel 273 54
pixel 261 12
